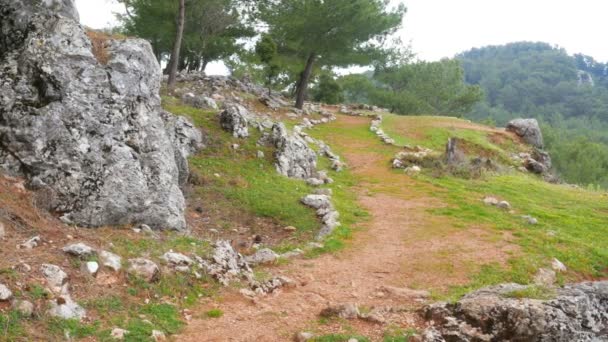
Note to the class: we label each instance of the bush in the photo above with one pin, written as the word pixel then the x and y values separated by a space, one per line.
pixel 328 90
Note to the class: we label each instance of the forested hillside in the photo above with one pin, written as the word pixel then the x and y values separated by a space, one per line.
pixel 568 94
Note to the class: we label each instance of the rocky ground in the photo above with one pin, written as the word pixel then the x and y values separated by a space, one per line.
pixel 221 213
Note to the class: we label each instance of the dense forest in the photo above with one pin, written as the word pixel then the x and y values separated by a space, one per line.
pixel 567 94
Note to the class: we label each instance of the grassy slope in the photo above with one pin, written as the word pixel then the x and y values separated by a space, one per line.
pixel 572 222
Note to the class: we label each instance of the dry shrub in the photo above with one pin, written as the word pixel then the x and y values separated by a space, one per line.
pixel 100 41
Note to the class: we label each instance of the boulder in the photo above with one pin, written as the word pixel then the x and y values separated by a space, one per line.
pixel 235 119
pixel 577 312
pixel 86 127
pixel 293 156
pixel 144 268
pixel 528 130
pixel 317 201
pixel 226 264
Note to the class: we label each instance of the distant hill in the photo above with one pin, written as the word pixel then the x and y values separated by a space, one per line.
pixel 568 94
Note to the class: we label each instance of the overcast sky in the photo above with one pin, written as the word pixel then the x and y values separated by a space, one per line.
pixel 442 28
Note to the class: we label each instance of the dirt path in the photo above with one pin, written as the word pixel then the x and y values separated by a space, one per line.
pixel 401 246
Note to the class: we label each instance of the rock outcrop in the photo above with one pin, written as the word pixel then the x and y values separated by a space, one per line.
pixel 578 312
pixel 88 130
pixel 235 119
pixel 528 130
pixel 294 158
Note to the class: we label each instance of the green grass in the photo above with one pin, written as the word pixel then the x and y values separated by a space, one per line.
pixel 71 327
pixel 532 292
pixel 11 326
pixel 214 313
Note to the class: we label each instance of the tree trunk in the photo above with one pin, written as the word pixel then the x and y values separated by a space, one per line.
pixel 177 44
pixel 204 66
pixel 303 83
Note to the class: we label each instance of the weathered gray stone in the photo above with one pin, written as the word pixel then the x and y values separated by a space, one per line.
pixel 144 268
pixel 80 250
pixel 24 307
pixel 293 156
pixel 528 130
pixel 317 201
pixel 92 134
pixel 578 312
pixel 226 264
pixel 64 307
pixel 54 275
pixel 177 259
pixel 90 267
pixel 263 256
pixel 110 260
pixel 346 311
pixel 31 243
pixel 235 119
pixel 5 293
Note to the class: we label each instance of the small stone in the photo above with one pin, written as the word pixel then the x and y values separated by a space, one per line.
pixel 353 340
pixel 176 259
pixel 260 155
pixel 290 229
pixel 31 243
pixel 531 220
pixel 412 170
pixel 110 260
pixel 263 256
pixel 118 333
pixel 80 250
pixel 148 231
pixel 558 266
pixel 545 277
pixel 2 231
pixel 64 307
pixel 235 146
pixel 90 267
pixel 314 182
pixel 304 336
pixel 24 307
pixel 54 275
pixel 489 200
pixel 292 254
pixel 504 205
pixel 5 293
pixel 158 335
pixel 346 311
pixel 144 269
pixel 247 293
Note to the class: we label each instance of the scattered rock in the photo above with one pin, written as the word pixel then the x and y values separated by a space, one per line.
pixel 158 335
pixel 303 336
pixel 24 307
pixel 528 129
pixel 412 170
pixel 64 307
pixel 263 256
pixel 317 201
pixel 489 200
pixel 177 259
pixel 80 250
pixel 110 260
pixel 345 311
pixel 54 276
pixel 294 158
pixel 5 293
pixel 90 268
pixel 504 205
pixel 558 266
pixel 326 192
pixel 118 333
pixel 314 182
pixel 201 102
pixel 235 119
pixel 290 229
pixel 144 268
pixel 292 254
pixel 545 277
pixel 31 243
pixel 530 220
pixel 576 313
pixel 226 264
pixel 272 285
pixel 260 155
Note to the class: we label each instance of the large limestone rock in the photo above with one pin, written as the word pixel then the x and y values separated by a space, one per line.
pixel 578 312
pixel 94 135
pixel 235 119
pixel 528 129
pixel 294 158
